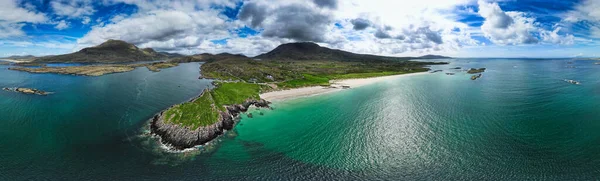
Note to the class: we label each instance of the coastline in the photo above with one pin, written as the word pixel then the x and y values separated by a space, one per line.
pixel 14 61
pixel 336 85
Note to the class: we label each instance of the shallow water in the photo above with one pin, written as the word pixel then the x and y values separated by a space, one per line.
pixel 519 121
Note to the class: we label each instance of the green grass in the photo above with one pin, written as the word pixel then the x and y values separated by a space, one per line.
pixel 235 93
pixel 308 80
pixel 204 111
pixel 201 112
pixel 364 75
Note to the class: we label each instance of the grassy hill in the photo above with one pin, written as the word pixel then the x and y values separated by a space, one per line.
pixel 111 51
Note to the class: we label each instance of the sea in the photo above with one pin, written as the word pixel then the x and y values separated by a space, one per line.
pixel 520 121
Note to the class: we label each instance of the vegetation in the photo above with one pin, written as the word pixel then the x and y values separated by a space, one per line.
pixel 200 112
pixel 95 70
pixel 205 109
pixel 111 51
pixel 288 66
pixel 307 80
pixel 476 71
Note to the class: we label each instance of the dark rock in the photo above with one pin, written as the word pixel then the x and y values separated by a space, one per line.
pixel 250 115
pixel 181 137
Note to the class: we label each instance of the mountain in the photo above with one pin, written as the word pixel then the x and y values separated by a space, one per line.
pixel 171 55
pixel 111 51
pixel 206 57
pixel 312 51
pixel 433 57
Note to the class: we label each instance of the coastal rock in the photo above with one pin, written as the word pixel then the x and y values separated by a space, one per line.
pixel 475 71
pixel 26 91
pixel 180 137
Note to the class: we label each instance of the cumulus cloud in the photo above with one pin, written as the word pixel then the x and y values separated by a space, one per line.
pixel 294 20
pixel 360 23
pixel 326 3
pixel 506 27
pixel 513 28
pixel 73 8
pixel 161 29
pixel 12 16
pixel 253 13
pixel 62 25
pixel 587 12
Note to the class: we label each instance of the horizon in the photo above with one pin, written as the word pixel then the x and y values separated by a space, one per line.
pixel 459 28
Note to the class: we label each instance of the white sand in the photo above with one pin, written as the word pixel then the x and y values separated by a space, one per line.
pixel 336 85
pixel 14 61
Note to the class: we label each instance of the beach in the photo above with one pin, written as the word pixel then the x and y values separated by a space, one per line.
pixel 336 85
pixel 14 61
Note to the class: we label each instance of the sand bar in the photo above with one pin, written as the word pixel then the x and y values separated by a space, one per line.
pixel 336 85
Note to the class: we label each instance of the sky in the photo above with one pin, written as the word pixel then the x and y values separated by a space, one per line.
pixel 458 28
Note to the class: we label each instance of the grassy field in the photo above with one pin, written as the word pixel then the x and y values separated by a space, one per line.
pixel 235 93
pixel 204 111
pixel 291 74
pixel 307 80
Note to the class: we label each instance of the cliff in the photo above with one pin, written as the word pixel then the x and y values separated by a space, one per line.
pixel 181 137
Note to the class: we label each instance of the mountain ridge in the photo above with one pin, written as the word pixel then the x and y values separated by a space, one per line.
pixel 111 51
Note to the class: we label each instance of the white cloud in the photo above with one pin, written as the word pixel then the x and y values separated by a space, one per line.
pixel 12 18
pixel 62 25
pixel 86 20
pixel 73 8
pixel 513 28
pixel 162 28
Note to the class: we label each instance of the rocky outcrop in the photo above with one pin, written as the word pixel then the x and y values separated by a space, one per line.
pixel 180 137
pixel 27 91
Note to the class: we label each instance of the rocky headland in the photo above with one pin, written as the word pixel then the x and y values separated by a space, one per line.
pixel 180 137
pixel 26 91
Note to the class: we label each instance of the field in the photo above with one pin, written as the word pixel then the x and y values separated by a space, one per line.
pixel 204 111
pixel 293 74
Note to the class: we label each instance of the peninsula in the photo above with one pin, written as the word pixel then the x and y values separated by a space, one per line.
pixel 95 70
pixel 287 71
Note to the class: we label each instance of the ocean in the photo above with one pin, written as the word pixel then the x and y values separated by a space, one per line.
pixel 519 121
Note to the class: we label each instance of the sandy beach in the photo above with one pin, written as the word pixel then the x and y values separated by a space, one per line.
pixel 336 85
pixel 14 61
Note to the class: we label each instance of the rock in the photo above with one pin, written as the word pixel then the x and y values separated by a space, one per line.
pixel 261 113
pixel 250 115
pixel 180 137
pixel 475 77
pixel 26 91
pixel 476 71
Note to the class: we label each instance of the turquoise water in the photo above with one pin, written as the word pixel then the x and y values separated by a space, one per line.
pixel 519 121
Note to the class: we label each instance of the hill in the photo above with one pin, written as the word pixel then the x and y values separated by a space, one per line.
pixel 312 51
pixel 111 51
pixel 206 57
pixel 433 57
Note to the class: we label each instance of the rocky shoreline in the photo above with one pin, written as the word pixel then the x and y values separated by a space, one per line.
pixel 180 137
pixel 26 91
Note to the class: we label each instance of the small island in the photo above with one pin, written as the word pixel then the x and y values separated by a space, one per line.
pixel 26 91
pixel 475 71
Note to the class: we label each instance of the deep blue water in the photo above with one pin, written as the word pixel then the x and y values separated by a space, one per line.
pixel 520 121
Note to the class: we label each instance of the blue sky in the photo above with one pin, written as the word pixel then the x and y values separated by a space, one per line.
pixel 460 28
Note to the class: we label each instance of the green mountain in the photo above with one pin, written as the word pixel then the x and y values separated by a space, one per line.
pixel 111 51
pixel 312 51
